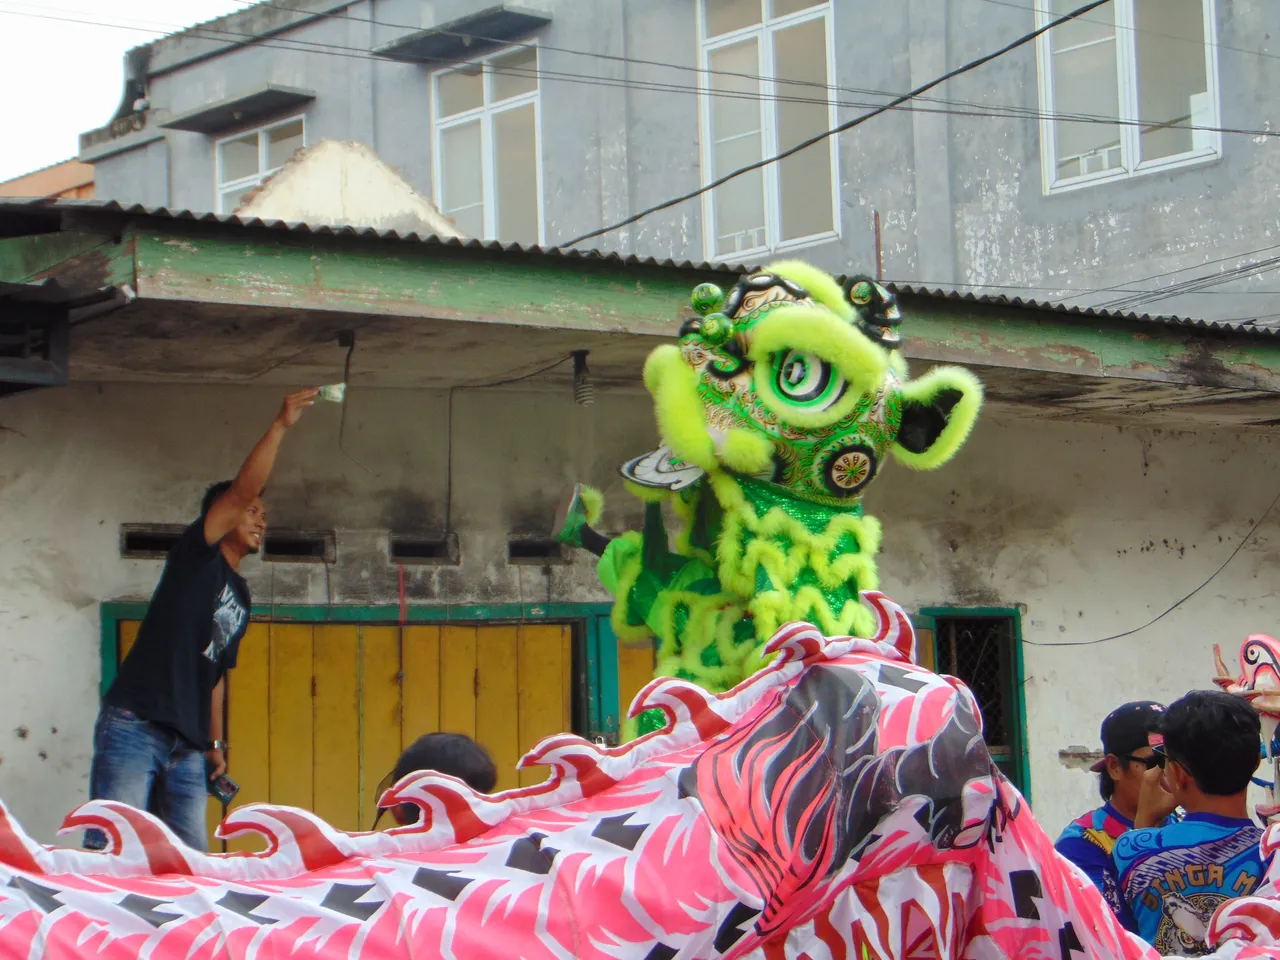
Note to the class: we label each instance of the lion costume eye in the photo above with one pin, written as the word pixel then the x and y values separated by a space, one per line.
pixel 807 380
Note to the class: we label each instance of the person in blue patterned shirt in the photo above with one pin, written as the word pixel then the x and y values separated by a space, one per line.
pixel 1088 841
pixel 1174 877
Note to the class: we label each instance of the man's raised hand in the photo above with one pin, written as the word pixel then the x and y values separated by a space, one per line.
pixel 294 404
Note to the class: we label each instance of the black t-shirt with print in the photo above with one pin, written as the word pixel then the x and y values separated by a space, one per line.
pixel 187 641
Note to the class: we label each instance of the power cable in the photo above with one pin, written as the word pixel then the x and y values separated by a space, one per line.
pixel 1196 284
pixel 840 128
pixel 1170 273
pixel 1138 30
pixel 1156 619
pixel 998 111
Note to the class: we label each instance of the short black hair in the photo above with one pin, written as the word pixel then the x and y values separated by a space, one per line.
pixel 453 753
pixel 1217 737
pixel 1106 786
pixel 213 493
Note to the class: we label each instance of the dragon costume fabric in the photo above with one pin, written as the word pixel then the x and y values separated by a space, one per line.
pixel 1259 683
pixel 839 804
pixel 779 406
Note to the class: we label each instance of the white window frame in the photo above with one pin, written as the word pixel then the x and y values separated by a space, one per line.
pixel 769 89
pixel 1126 42
pixel 485 114
pixel 220 187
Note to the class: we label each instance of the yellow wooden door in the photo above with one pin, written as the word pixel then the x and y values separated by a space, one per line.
pixel 317 715
pixel 635 669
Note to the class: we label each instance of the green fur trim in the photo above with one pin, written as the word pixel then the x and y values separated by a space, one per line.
pixel 821 285
pixel 745 452
pixel 808 566
pixel 862 363
pixel 646 494
pixel 681 421
pixel 959 422
pixel 593 502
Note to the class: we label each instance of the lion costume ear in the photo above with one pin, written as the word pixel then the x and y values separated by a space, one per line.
pixel 938 411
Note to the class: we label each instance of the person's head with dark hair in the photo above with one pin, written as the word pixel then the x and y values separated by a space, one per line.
pixel 213 493
pixel 1127 755
pixel 454 754
pixel 1212 747
pixel 248 534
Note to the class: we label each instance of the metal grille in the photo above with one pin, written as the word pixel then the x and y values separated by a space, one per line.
pixel 977 651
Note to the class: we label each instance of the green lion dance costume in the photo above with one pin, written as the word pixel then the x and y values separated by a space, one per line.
pixel 775 411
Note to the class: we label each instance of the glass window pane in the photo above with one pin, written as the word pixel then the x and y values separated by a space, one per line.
pixel 516 172
pixel 739 214
pixel 780 8
pixel 1173 84
pixel 514 74
pixel 1085 82
pixel 238 158
pixel 460 90
pixel 1097 24
pixel 804 179
pixel 282 141
pixel 461 178
pixel 726 15
pixel 737 139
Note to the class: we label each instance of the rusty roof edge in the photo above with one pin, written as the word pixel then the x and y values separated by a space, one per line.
pixel 58 207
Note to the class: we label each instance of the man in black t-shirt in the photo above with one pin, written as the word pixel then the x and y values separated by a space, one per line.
pixel 159 735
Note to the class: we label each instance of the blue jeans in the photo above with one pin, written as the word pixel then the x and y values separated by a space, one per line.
pixel 148 767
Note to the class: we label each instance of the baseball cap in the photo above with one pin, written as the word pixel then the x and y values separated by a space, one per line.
pixel 1125 729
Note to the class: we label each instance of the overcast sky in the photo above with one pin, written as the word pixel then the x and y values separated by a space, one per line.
pixel 62 75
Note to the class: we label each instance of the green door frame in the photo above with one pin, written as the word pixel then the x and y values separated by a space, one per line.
pixel 927 619
pixel 599 665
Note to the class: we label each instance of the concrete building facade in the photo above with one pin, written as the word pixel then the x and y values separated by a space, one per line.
pixel 1124 159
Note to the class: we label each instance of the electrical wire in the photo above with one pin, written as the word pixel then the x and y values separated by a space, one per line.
pixel 840 128
pixel 1170 273
pixel 342 419
pixel 980 111
pixel 1196 284
pixel 681 66
pixel 1135 30
pixel 1156 619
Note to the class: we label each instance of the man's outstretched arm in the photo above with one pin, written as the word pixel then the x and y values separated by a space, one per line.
pixel 227 510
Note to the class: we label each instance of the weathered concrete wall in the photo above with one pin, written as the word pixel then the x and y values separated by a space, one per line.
pixel 1092 530
pixel 78 462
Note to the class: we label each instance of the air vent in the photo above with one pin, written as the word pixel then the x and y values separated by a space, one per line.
pixel 536 553
pixel 425 551
pixel 300 546
pixel 148 541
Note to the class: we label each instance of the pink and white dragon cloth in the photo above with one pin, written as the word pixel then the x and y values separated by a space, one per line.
pixel 840 804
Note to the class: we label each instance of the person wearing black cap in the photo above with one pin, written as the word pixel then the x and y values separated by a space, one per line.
pixel 1089 841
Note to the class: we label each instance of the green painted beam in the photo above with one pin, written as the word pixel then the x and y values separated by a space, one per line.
pixel 82 261
pixel 405 279
pixel 395 278
pixel 176 260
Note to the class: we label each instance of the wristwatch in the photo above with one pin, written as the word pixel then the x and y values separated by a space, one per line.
pixel 218 745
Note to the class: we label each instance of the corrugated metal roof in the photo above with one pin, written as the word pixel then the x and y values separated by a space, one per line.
pixel 20 212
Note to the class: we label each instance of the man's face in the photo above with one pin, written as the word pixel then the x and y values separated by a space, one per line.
pixel 252 527
pixel 1127 772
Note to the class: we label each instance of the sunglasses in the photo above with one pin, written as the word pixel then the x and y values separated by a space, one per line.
pixel 1151 762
